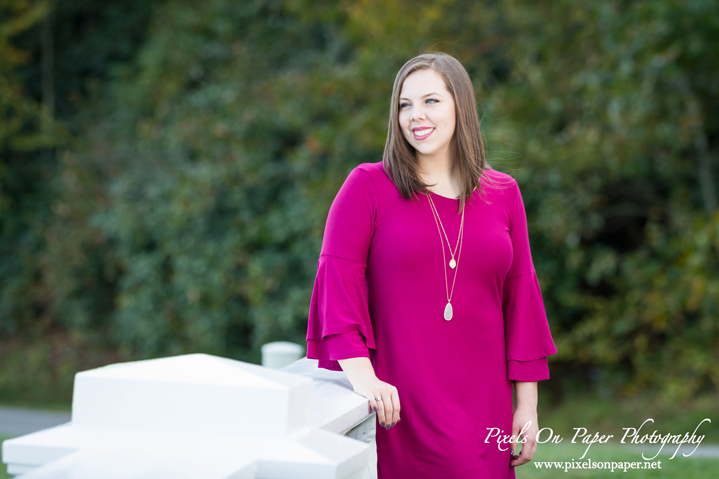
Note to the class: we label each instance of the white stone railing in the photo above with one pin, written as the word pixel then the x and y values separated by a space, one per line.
pixel 202 416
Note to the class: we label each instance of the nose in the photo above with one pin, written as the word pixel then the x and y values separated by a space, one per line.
pixel 418 114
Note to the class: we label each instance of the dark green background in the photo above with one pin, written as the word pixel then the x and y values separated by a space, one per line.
pixel 166 169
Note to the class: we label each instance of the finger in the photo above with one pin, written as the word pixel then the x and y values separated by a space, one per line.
pixel 388 408
pixel 395 407
pixel 525 455
pixel 514 444
pixel 530 445
pixel 533 450
pixel 380 410
pixel 515 460
pixel 372 403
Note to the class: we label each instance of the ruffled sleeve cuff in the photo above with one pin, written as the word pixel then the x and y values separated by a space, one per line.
pixel 529 371
pixel 527 334
pixel 339 322
pixel 337 346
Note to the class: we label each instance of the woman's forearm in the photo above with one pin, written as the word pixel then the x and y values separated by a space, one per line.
pixel 356 368
pixel 526 393
pixel 524 423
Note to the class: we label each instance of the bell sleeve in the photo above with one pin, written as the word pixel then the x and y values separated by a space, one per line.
pixel 339 324
pixel 526 329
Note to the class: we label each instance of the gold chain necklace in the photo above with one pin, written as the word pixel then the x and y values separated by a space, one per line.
pixel 448 311
pixel 452 262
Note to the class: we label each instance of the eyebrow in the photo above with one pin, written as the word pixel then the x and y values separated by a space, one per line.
pixel 424 96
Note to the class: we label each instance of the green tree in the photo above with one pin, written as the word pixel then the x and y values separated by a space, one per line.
pixel 190 205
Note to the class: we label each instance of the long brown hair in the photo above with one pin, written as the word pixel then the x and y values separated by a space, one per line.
pixel 467 148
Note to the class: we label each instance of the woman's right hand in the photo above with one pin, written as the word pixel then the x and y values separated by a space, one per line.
pixel 388 408
pixel 366 383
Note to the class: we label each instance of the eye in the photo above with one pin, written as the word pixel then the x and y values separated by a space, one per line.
pixel 401 105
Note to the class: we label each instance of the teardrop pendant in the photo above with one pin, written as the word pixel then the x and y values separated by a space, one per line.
pixel 452 263
pixel 448 312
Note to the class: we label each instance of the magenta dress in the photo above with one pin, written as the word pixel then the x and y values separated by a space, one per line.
pixel 380 293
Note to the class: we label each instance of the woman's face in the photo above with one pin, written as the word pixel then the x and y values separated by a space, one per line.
pixel 426 113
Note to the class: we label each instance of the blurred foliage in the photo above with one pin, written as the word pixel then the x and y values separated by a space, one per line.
pixel 185 210
pixel 48 51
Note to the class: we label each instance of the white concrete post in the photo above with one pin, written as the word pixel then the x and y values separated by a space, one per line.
pixel 281 353
pixel 202 416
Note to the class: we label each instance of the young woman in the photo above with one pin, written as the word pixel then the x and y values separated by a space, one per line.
pixel 426 290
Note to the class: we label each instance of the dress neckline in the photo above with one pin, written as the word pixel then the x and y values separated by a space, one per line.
pixel 443 197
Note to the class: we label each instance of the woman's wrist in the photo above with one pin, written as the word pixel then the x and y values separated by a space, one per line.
pixel 357 369
pixel 526 407
pixel 526 393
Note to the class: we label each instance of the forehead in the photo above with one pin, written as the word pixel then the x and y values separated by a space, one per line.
pixel 421 82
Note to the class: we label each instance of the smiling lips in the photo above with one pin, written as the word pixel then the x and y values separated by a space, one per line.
pixel 422 133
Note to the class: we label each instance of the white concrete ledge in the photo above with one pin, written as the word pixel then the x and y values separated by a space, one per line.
pixel 201 416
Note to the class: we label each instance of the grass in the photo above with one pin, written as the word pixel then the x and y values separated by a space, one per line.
pixel 611 416
pixel 605 416
pixel 680 467
pixel 39 405
pixel 3 467
pixel 40 372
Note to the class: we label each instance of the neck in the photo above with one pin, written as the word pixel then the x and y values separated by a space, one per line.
pixel 441 173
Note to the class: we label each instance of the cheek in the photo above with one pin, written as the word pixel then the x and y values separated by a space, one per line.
pixel 449 121
pixel 448 116
pixel 403 121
